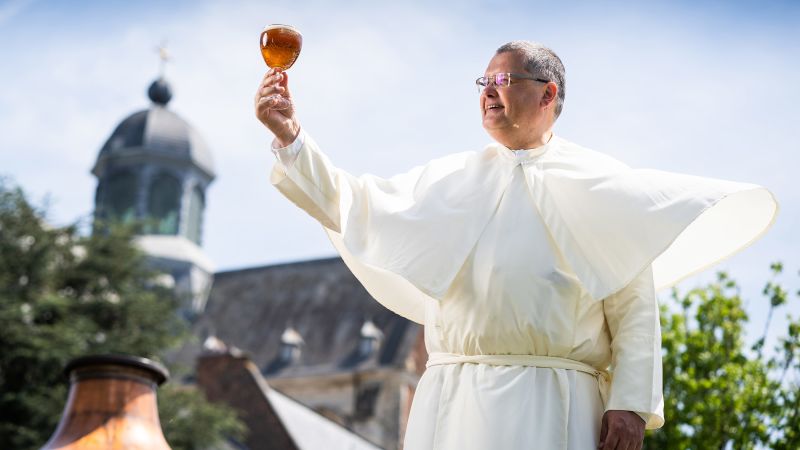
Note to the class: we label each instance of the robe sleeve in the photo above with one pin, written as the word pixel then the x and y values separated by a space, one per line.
pixel 307 178
pixel 362 217
pixel 287 155
pixel 632 315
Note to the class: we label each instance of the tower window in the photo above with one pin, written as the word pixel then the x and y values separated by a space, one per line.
pixel 119 198
pixel 163 205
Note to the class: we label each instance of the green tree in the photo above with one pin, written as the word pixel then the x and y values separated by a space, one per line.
pixel 64 295
pixel 719 393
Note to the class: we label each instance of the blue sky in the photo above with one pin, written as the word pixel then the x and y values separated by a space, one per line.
pixel 707 90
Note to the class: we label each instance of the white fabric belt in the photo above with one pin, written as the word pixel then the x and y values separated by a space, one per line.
pixel 554 362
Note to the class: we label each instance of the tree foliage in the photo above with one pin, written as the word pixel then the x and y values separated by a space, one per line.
pixel 719 392
pixel 64 295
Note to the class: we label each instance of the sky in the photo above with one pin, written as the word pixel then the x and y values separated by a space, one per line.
pixel 704 88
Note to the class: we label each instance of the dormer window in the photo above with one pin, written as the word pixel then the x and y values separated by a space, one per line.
pixel 291 343
pixel 371 337
pixel 288 352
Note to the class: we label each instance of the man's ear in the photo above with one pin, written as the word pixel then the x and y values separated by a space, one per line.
pixel 550 93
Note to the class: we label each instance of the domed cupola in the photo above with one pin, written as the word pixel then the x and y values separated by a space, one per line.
pixel 154 169
pixel 156 133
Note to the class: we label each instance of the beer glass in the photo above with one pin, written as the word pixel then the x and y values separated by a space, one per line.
pixel 280 47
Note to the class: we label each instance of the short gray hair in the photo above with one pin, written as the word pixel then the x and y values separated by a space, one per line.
pixel 540 61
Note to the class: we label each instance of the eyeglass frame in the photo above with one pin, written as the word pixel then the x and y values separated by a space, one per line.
pixel 493 80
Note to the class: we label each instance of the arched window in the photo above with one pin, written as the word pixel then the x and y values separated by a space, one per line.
pixel 163 205
pixel 196 206
pixel 119 199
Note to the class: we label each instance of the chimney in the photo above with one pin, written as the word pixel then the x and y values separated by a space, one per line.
pixel 231 378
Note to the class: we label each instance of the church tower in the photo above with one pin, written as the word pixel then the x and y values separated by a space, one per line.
pixel 155 169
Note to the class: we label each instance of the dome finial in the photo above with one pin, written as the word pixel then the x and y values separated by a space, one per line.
pixel 160 92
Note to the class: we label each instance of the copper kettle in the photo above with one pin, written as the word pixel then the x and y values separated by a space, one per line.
pixel 111 405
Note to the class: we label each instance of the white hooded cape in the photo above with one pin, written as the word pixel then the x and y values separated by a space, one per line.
pixel 405 238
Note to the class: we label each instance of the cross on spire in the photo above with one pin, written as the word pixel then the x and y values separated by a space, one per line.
pixel 164 56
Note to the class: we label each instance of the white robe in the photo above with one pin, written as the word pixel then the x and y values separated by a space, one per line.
pixel 510 253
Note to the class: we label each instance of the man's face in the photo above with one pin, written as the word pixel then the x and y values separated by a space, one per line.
pixel 514 109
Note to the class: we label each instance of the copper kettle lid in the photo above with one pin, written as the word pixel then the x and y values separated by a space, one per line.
pixel 84 364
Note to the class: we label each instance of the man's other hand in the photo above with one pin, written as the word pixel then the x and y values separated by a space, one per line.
pixel 621 430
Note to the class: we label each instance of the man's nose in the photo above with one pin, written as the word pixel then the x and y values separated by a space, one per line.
pixel 490 91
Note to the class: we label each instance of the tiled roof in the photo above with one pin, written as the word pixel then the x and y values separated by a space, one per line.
pixel 251 308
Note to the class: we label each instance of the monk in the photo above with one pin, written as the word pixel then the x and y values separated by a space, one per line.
pixel 532 264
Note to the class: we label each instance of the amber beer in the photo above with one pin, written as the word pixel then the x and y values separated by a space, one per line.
pixel 280 45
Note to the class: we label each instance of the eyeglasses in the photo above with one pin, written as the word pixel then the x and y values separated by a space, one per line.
pixel 504 80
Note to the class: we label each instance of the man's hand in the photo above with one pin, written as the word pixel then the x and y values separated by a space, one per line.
pixel 281 122
pixel 621 430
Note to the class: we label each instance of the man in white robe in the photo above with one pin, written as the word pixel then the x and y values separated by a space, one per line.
pixel 532 264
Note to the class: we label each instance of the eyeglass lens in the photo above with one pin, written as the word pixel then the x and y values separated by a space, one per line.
pixel 499 80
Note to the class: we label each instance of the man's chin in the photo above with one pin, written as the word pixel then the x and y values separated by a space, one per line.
pixel 494 125
pixel 491 123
